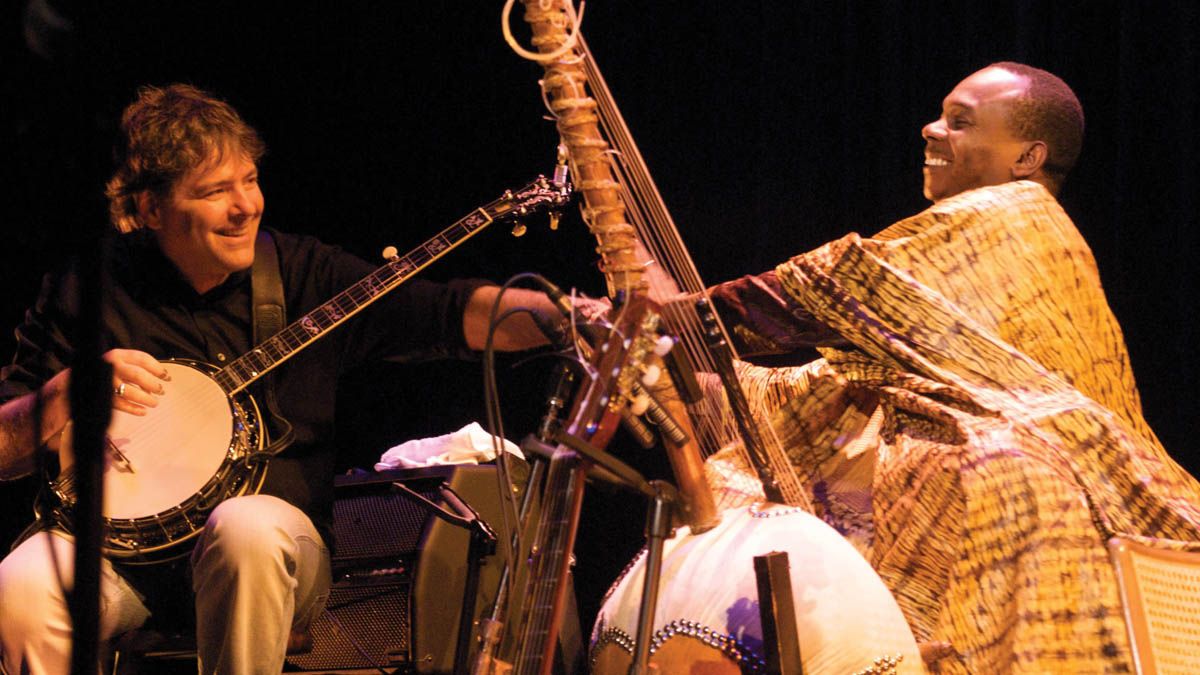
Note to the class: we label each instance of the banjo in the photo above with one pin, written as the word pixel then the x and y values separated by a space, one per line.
pixel 158 494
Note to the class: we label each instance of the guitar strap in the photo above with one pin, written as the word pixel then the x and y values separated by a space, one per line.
pixel 268 314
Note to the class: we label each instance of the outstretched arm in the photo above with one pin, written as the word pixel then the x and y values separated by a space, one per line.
pixel 519 331
pixel 762 319
pixel 515 333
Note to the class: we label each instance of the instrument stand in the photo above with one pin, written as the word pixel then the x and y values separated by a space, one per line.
pixel 658 530
pixel 600 465
pixel 491 627
pixel 659 519
pixel 570 647
pixel 570 635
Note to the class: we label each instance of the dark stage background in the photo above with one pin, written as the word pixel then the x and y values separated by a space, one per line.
pixel 770 127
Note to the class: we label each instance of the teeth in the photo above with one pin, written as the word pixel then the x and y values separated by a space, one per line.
pixel 936 161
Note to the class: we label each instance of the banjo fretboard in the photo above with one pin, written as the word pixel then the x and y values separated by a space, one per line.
pixel 240 373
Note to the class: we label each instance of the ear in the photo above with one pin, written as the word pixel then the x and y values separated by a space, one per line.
pixel 1031 160
pixel 147 210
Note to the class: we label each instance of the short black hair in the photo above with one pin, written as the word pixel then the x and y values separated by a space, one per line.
pixel 1047 111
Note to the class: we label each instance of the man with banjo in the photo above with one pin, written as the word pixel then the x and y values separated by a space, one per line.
pixel 186 199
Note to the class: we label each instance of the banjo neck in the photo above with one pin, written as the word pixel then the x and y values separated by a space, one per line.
pixel 539 195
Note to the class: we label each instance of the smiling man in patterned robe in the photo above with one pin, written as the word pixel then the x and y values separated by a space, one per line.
pixel 973 425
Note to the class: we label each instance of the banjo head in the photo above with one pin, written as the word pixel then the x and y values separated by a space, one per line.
pixel 173 451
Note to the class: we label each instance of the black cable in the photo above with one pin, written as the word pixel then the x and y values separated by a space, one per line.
pixel 512 543
pixel 495 421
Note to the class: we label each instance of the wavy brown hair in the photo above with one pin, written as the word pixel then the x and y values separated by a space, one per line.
pixel 165 133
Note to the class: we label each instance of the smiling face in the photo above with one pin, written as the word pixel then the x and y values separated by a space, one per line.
pixel 208 223
pixel 972 145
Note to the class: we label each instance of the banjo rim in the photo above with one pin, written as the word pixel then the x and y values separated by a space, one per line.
pixel 158 537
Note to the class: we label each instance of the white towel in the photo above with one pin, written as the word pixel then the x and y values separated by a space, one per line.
pixel 469 445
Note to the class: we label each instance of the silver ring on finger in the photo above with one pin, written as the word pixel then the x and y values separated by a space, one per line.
pixel 120 390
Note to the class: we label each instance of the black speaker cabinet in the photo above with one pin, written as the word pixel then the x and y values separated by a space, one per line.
pixel 399 573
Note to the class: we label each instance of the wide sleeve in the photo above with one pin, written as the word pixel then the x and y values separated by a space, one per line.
pixel 763 319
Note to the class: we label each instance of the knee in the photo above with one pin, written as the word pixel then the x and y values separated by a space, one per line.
pixel 32 597
pixel 254 530
pixel 245 528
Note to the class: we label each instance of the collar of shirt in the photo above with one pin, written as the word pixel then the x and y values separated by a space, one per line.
pixel 150 274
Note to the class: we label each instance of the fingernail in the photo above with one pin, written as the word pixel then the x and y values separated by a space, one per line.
pixel 162 391
pixel 166 375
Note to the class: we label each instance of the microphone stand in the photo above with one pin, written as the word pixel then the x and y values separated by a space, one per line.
pixel 91 410
pixel 658 530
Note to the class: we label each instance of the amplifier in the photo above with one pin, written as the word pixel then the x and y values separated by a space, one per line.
pixel 399 573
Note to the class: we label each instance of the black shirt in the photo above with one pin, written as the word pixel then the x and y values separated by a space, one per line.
pixel 149 306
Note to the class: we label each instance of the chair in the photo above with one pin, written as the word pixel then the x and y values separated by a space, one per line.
pixel 1160 592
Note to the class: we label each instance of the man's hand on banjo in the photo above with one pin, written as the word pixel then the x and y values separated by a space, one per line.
pixel 138 380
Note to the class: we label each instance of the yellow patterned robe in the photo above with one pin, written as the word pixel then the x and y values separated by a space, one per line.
pixel 1012 442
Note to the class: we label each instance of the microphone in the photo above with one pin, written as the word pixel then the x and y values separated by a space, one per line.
pixel 553 330
pixel 558 396
pixel 562 302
